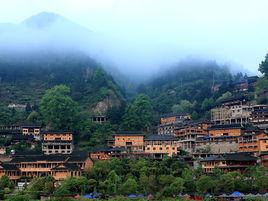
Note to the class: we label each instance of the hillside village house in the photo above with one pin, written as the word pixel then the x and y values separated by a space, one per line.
pixel 168 123
pixel 58 166
pixel 132 141
pixel 160 145
pixel 254 141
pixel 31 129
pixel 259 116
pixel 232 111
pixel 189 133
pixel 228 162
pixel 57 142
pixel 225 130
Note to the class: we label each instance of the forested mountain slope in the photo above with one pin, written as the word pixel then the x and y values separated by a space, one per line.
pixel 192 81
pixel 24 79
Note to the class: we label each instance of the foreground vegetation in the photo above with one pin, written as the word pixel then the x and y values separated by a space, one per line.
pixel 167 178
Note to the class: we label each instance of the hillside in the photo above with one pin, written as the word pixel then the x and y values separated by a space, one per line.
pixel 24 79
pixel 192 81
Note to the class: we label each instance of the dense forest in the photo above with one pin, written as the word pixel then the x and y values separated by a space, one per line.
pixel 25 78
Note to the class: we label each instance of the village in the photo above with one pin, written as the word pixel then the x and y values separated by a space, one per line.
pixel 235 139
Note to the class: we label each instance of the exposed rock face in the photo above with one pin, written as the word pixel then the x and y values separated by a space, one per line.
pixel 102 107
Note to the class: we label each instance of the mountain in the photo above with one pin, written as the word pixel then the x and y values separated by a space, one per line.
pixel 25 81
pixel 193 81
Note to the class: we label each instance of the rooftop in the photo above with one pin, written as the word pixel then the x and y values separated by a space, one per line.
pixel 75 156
pixel 156 137
pixel 225 126
pixel 231 157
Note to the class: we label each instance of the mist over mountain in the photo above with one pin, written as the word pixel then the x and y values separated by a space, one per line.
pixel 48 32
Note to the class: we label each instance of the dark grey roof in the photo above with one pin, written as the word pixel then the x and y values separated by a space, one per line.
pixel 67 166
pixel 213 158
pixel 76 156
pixel 225 126
pixel 239 157
pixel 173 115
pixel 57 132
pixel 130 133
pixel 231 157
pixel 156 137
pixel 7 166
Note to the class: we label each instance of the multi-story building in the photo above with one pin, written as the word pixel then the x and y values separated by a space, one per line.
pixel 132 141
pixel 159 145
pixel 58 166
pixel 225 130
pixel 254 141
pixel 31 129
pixel 217 145
pixel 168 123
pixel 57 142
pixel 228 162
pixel 259 116
pixel 232 111
pixel 189 133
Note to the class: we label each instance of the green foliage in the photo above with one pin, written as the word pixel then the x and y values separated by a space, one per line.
pixel 262 90
pixel 6 183
pixel 263 67
pixel 58 109
pixel 94 135
pixel 139 114
pixel 129 187
pixel 40 185
pixel 224 96
pixel 187 81
pixel 72 185
pixel 184 106
pixel 205 184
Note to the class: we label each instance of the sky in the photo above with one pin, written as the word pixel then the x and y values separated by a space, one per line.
pixel 149 34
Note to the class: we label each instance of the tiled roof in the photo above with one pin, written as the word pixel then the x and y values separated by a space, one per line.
pixel 129 133
pixel 225 126
pixel 231 157
pixel 57 132
pixel 76 156
pixel 7 166
pixel 156 137
pixel 67 166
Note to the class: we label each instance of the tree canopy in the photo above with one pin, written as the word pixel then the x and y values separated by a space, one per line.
pixel 58 109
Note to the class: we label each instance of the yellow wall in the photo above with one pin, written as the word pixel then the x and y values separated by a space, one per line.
pixel 228 132
pixel 121 140
pixel 51 136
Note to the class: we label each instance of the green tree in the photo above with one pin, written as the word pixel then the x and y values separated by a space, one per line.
pixel 224 96
pixel 73 185
pixel 205 184
pixel 184 106
pixel 227 183
pixel 58 109
pixel 189 180
pixel 130 186
pixel 177 186
pixel 261 90
pixel 5 182
pixel 113 183
pixel 207 104
pixel 263 67
pixel 139 114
